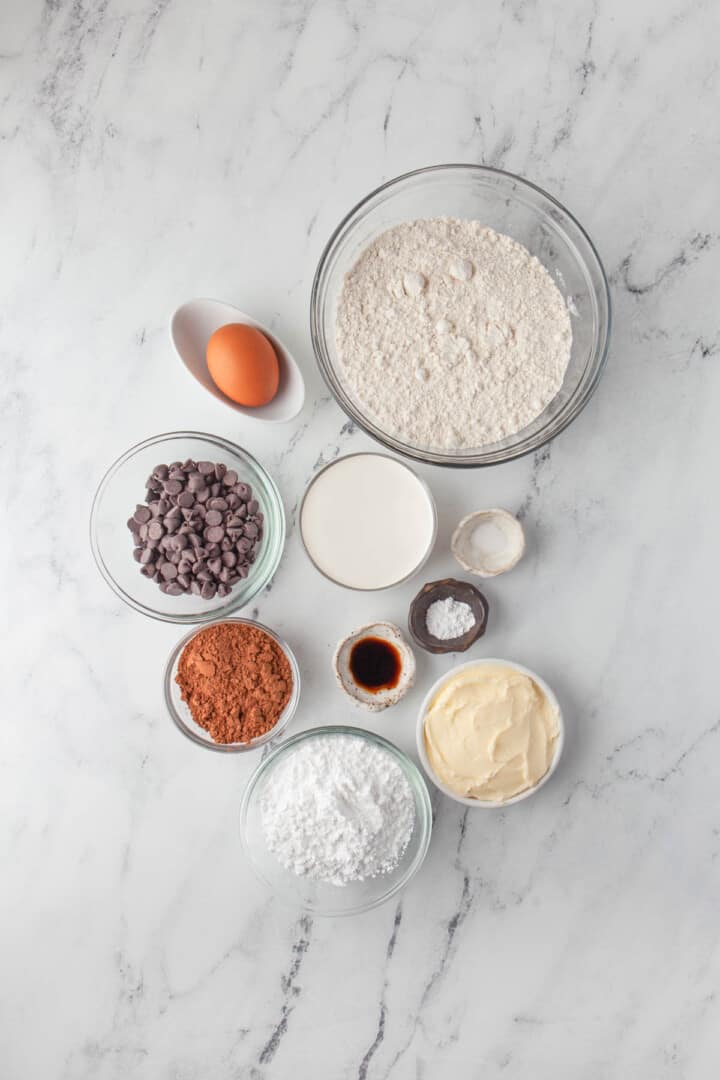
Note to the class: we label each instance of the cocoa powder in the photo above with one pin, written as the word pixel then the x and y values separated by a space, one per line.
pixel 236 681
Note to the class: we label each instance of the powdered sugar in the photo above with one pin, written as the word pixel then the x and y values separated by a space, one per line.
pixel 338 809
pixel 451 335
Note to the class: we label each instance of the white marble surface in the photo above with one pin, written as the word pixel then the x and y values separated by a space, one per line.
pixel 153 151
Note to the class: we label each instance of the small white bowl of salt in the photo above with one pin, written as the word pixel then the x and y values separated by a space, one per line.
pixel 488 542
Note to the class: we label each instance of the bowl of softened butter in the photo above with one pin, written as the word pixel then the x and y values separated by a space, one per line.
pixel 490 733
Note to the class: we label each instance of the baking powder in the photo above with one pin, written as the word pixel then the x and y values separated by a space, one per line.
pixel 448 619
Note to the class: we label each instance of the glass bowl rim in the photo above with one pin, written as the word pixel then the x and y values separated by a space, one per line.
pixel 599 350
pixel 485 804
pixel 195 617
pixel 421 795
pixel 232 748
pixel 421 481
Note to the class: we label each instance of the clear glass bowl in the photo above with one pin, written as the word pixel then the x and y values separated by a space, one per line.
pixel 416 568
pixel 182 717
pixel 319 897
pixel 123 486
pixel 509 205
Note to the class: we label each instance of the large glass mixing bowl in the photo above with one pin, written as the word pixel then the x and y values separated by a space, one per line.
pixel 510 205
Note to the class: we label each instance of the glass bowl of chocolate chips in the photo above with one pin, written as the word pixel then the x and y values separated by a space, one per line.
pixel 187 527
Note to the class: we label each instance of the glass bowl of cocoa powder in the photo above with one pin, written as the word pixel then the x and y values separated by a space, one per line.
pixel 232 685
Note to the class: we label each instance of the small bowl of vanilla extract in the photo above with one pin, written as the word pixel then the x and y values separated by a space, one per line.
pixel 375 666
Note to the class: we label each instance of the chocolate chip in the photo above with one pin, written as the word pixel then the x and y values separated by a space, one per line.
pixel 195 532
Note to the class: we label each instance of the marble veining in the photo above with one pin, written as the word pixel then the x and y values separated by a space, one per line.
pixel 158 150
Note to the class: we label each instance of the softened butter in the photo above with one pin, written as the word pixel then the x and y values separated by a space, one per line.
pixel 490 732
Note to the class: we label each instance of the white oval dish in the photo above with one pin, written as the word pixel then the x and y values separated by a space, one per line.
pixel 192 326
pixel 496 562
pixel 481 804
pixel 383 698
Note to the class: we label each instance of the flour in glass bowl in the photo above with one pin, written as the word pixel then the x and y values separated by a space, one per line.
pixel 450 335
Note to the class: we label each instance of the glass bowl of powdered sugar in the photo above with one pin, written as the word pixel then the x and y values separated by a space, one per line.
pixel 336 821
pixel 460 315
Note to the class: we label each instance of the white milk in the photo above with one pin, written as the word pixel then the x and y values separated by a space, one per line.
pixel 367 521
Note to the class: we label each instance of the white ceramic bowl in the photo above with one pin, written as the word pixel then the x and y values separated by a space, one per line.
pixel 511 529
pixel 192 326
pixel 481 804
pixel 380 699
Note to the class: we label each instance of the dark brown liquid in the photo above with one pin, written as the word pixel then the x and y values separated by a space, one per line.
pixel 375 664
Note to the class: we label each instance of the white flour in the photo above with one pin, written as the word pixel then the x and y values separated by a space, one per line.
pixel 338 809
pixel 451 335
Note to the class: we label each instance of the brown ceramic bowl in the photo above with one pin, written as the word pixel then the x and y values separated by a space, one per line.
pixel 462 591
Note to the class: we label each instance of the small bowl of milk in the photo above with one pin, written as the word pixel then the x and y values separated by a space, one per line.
pixel 368 521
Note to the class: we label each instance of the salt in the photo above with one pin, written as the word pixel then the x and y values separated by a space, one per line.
pixel 488 544
pixel 448 619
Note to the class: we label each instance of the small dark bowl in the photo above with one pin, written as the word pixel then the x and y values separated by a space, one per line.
pixel 462 591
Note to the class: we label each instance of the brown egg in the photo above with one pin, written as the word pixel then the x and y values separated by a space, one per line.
pixel 243 364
